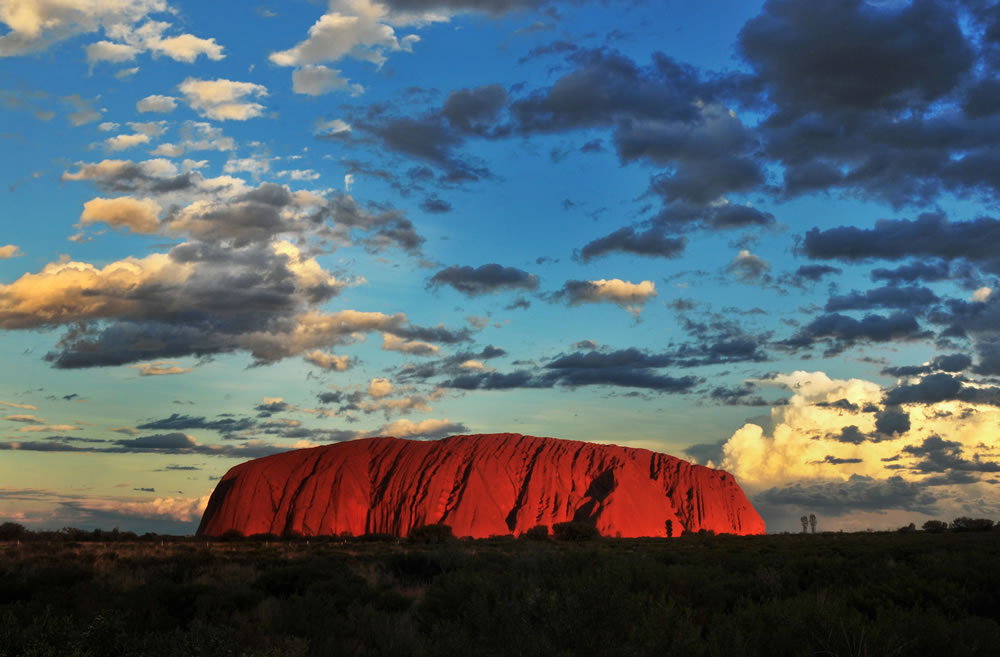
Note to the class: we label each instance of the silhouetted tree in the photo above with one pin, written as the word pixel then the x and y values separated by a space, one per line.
pixel 935 526
pixel 670 529
pixel 812 522
pixel 537 533
pixel 10 531
pixel 965 524
pixel 805 524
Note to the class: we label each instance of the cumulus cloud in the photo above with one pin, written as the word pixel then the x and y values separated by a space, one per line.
pixel 626 294
pixel 328 361
pixel 124 142
pixel 10 251
pixel 130 41
pixel 156 103
pixel 222 99
pixel 429 429
pixel 138 215
pixel 823 439
pixel 380 387
pixel 34 25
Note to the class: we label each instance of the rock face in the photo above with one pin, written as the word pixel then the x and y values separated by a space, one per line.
pixel 481 485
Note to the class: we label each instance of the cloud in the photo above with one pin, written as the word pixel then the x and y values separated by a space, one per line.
pixel 429 429
pixel 156 103
pixel 650 243
pixel 124 142
pixel 8 251
pixel 26 407
pixel 138 215
pixel 317 80
pixel 857 493
pixel 914 298
pixel 626 294
pixel 159 368
pixel 931 235
pixel 28 419
pixel 327 361
pixel 380 387
pixel 485 279
pixel 222 99
pixel 83 109
pixel 414 347
pixel 841 331
pixel 34 25
pixel 747 267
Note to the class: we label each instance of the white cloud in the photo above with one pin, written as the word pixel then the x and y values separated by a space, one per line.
pixel 626 294
pixel 348 181
pixel 33 25
pixel 126 73
pixel 805 434
pixel 139 215
pixel 26 407
pixel 328 361
pixel 429 428
pixel 380 387
pixel 981 295
pixel 10 251
pixel 333 127
pixel 48 428
pixel 223 99
pixel 251 165
pixel 299 174
pixel 168 149
pixel 391 342
pixel 361 29
pixel 108 126
pixel 156 103
pixel 176 508
pixel 107 51
pixel 316 80
pixel 151 128
pixel 30 419
pixel 124 142
pixel 159 368
pixel 83 109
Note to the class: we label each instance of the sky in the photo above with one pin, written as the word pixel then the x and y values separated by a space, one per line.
pixel 760 236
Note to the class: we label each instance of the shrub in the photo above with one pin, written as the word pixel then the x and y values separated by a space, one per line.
pixel 906 529
pixel 965 524
pixel 537 533
pixel 436 533
pixel 10 531
pixel 935 526
pixel 575 531
pixel 231 535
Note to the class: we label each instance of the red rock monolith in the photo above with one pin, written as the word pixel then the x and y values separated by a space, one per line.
pixel 480 485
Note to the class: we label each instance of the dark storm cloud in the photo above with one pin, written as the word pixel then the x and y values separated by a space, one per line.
pixel 484 279
pixel 849 434
pixel 169 443
pixel 474 111
pixel 630 358
pixel 744 395
pixel 913 272
pixel 858 493
pixel 912 298
pixel 833 460
pixel 939 455
pixel 930 235
pixel 702 453
pixel 842 404
pixel 946 363
pixel 435 205
pixel 892 420
pixel 650 243
pixel 177 422
pixel 940 387
pixel 555 48
pixel 842 331
pixel 811 273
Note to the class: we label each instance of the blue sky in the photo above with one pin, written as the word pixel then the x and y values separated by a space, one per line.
pixel 755 235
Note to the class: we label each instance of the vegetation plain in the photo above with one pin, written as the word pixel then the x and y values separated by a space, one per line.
pixel 105 594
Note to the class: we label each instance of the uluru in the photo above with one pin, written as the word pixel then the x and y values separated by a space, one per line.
pixel 480 485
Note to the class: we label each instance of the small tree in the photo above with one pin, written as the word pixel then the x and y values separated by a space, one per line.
pixel 11 531
pixel 805 523
pixel 935 526
pixel 812 522
pixel 965 524
pixel 670 529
